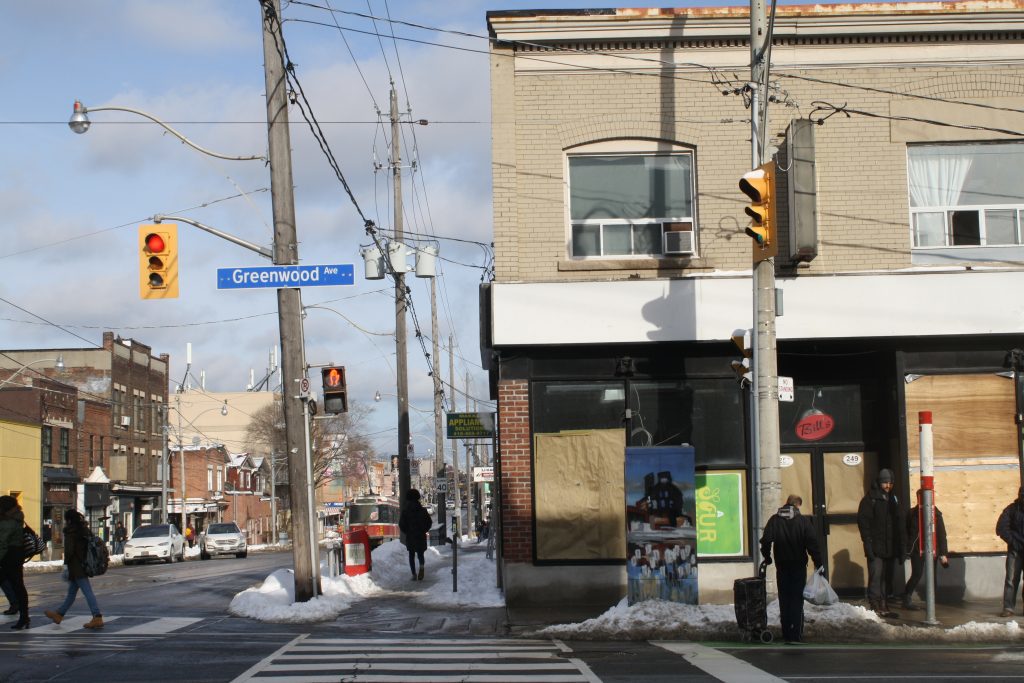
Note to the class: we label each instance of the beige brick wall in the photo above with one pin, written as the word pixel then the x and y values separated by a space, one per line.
pixel 863 211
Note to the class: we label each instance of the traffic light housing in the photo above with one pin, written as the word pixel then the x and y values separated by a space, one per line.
pixel 760 186
pixel 335 390
pixel 742 339
pixel 158 261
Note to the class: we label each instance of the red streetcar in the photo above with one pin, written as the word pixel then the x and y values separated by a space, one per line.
pixel 377 515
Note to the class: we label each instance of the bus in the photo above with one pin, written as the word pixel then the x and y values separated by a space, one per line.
pixel 377 515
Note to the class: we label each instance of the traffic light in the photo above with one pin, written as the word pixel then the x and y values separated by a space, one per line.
pixel 158 261
pixel 335 390
pixel 760 186
pixel 741 338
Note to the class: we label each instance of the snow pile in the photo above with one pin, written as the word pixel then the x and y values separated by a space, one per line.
pixel 274 599
pixel 842 622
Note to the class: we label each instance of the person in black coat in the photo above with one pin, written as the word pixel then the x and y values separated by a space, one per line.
pixel 794 539
pixel 415 523
pixel 881 529
pixel 1010 528
pixel 915 541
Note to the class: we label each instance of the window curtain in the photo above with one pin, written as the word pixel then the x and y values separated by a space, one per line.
pixel 937 177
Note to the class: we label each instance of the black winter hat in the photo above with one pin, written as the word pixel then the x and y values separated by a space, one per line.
pixel 885 476
pixel 8 503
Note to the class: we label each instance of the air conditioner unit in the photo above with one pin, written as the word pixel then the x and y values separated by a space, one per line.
pixel 679 242
pixel 126 421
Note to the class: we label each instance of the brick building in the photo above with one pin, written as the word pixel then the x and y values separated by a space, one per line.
pixel 121 390
pixel 622 269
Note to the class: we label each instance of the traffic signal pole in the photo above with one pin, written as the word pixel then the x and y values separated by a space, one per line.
pixel 289 305
pixel 765 387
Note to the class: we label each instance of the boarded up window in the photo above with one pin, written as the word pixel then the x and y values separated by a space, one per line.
pixel 579 490
pixel 975 447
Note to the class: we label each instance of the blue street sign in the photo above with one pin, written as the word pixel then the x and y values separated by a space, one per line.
pixel 285 276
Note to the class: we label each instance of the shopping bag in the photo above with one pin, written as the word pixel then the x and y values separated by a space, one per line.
pixel 818 591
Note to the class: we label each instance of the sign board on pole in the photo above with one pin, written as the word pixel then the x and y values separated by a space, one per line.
pixel 285 276
pixel 786 392
pixel 483 474
pixel 470 425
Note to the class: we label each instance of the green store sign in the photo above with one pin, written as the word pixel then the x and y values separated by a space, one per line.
pixel 721 514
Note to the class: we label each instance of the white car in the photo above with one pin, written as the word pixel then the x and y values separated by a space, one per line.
pixel 155 542
pixel 222 538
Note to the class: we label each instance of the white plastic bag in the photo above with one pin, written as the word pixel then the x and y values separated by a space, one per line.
pixel 818 591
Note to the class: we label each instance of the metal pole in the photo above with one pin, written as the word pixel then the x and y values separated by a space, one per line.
pixel 401 364
pixel 273 497
pixel 439 473
pixel 314 549
pixel 181 457
pixel 765 359
pixel 163 468
pixel 927 512
pixel 286 252
pixel 470 493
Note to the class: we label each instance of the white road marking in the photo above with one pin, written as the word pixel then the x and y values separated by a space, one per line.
pixel 158 626
pixel 716 663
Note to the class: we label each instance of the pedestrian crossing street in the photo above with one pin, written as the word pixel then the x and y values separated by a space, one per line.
pixel 118 633
pixel 309 659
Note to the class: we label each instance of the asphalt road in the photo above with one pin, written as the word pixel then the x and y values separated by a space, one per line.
pixel 170 623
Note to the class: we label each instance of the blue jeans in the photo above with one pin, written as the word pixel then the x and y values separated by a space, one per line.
pixel 1014 565
pixel 74 585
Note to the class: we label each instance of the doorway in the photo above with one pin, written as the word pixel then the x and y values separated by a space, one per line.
pixel 832 482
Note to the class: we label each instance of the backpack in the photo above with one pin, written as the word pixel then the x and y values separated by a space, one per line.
pixel 33 543
pixel 96 557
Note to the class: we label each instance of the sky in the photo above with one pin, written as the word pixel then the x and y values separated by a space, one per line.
pixel 71 205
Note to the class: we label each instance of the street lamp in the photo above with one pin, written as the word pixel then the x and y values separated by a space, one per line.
pixel 58 363
pixel 80 123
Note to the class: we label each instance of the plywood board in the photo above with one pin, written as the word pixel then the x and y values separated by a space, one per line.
pixel 970 501
pixel 846 561
pixel 580 492
pixel 971 415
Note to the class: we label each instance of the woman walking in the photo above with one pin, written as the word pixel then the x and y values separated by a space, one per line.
pixel 415 523
pixel 12 555
pixel 76 540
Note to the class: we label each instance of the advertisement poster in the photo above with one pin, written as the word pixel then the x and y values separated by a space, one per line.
pixel 661 537
pixel 721 518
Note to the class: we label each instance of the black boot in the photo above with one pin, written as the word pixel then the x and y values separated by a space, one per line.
pixel 13 609
pixel 22 622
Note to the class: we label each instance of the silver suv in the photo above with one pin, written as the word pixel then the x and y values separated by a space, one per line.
pixel 222 538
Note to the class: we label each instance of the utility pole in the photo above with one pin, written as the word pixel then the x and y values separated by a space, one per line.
pixel 455 444
pixel 439 473
pixel 766 381
pixel 400 307
pixel 181 455
pixel 289 307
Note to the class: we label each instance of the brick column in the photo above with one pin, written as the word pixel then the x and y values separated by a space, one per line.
pixel 516 486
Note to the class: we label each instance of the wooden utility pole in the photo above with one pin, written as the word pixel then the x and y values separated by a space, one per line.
pixel 289 304
pixel 439 496
pixel 401 364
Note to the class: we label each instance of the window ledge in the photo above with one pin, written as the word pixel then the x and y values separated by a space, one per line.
pixel 657 264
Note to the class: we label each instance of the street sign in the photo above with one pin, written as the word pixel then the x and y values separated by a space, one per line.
pixel 470 425
pixel 304 387
pixel 485 474
pixel 786 392
pixel 285 276
pixel 442 487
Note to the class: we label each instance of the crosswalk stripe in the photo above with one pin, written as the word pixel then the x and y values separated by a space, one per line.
pixel 419 660
pixel 158 626
pixel 716 663
pixel 68 624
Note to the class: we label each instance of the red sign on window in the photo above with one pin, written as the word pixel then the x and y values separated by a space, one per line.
pixel 814 426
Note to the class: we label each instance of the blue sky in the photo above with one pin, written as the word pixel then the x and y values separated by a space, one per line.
pixel 70 205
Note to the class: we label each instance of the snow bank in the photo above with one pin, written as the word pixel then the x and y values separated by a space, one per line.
pixel 660 620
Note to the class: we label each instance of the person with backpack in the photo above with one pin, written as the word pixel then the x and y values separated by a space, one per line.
pixel 12 555
pixel 76 546
pixel 415 523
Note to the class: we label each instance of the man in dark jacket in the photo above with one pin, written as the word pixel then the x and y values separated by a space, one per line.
pixel 881 530
pixel 915 544
pixel 1010 528
pixel 794 539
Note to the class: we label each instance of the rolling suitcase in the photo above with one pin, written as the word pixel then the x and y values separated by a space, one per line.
pixel 751 602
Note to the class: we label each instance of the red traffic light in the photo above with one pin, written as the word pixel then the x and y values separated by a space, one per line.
pixel 155 243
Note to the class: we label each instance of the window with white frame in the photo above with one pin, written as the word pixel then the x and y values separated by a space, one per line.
pixel 966 195
pixel 635 203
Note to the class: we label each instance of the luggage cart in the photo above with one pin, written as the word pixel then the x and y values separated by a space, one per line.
pixel 750 598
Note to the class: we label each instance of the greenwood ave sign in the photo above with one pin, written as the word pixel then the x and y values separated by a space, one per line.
pixel 285 276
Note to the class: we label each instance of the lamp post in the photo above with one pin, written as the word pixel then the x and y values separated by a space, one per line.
pixel 289 303
pixel 58 363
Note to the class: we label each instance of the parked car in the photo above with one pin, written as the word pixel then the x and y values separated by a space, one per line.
pixel 155 542
pixel 222 538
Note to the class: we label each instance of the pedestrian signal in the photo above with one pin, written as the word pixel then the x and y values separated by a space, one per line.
pixel 335 390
